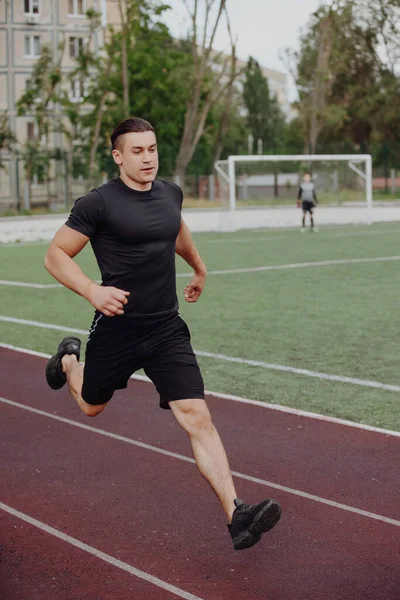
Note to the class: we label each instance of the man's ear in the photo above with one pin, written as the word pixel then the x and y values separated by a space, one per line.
pixel 116 154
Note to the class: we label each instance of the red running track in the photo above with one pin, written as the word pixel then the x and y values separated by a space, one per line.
pixel 155 513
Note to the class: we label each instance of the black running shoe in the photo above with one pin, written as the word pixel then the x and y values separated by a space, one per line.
pixel 250 521
pixel 55 376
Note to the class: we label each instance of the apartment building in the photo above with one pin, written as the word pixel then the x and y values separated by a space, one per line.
pixel 25 26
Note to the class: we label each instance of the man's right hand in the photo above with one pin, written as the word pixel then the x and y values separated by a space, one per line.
pixel 107 299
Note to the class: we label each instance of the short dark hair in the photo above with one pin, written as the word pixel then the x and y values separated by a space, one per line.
pixel 134 124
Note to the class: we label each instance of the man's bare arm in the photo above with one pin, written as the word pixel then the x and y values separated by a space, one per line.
pixel 66 244
pixel 186 248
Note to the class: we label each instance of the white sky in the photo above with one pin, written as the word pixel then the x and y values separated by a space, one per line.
pixel 263 28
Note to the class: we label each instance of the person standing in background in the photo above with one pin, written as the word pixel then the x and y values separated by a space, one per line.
pixel 308 199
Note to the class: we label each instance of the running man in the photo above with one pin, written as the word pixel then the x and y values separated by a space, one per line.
pixel 308 199
pixel 135 227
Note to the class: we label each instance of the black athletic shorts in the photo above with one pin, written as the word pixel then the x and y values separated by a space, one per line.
pixel 308 206
pixel 118 346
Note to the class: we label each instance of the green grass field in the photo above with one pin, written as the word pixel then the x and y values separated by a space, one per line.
pixel 339 319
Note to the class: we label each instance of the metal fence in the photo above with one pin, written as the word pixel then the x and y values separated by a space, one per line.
pixel 55 191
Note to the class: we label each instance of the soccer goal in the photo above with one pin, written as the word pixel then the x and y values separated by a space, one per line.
pixel 340 180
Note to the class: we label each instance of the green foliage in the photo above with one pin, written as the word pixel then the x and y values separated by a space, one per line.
pixel 38 101
pixel 362 87
pixel 7 138
pixel 45 77
pixel 235 139
pixel 264 117
pixel 159 69
pixel 294 139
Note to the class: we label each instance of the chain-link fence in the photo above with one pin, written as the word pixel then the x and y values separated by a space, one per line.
pixel 53 189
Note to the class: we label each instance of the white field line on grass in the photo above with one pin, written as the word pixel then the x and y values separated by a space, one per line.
pixel 270 236
pixel 372 232
pixel 321 263
pixel 39 286
pixel 115 562
pixel 277 486
pixel 243 361
pixel 23 244
pixel 233 240
pixel 259 403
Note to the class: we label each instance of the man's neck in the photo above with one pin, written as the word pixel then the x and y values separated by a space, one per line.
pixel 135 185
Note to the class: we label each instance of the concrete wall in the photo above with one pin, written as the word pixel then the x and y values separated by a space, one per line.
pixel 13 229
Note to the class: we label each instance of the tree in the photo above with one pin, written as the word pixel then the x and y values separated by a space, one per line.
pixel 227 102
pixel 158 87
pixel 7 138
pixel 208 79
pixel 90 75
pixel 39 101
pixel 264 118
pixel 343 81
pixel 126 9
pixel 311 71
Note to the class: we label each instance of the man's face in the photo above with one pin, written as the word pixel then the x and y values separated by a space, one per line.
pixel 307 178
pixel 137 157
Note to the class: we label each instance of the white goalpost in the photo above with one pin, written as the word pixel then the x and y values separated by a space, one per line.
pixel 349 175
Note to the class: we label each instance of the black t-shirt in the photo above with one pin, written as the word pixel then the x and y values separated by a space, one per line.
pixel 133 237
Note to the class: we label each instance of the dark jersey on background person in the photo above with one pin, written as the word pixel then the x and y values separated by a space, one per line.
pixel 133 235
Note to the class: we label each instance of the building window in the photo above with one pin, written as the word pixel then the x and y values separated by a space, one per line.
pixel 39 177
pixel 76 7
pixel 28 84
pixel 75 46
pixel 78 90
pixel 32 46
pixel 31 7
pixel 30 131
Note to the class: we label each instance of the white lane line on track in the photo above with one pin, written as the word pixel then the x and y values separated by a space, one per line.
pixel 115 562
pixel 260 404
pixel 233 359
pixel 321 263
pixel 181 457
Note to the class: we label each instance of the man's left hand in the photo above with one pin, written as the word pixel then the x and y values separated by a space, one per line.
pixel 193 291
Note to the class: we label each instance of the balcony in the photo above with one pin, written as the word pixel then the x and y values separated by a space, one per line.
pixel 31 18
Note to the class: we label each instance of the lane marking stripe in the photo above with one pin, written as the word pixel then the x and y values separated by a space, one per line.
pixel 115 562
pixel 233 359
pixel 187 459
pixel 259 403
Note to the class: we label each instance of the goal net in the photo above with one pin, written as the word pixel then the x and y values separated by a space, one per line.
pixel 262 181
